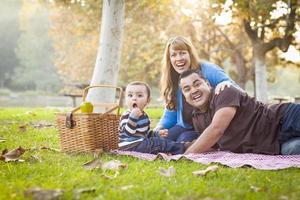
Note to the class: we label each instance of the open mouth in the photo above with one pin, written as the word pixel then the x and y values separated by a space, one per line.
pixel 134 105
pixel 196 97
pixel 180 65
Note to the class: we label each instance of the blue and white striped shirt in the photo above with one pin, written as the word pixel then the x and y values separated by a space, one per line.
pixel 132 130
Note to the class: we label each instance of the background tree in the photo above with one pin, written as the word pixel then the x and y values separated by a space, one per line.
pixel 268 24
pixel 107 65
pixel 9 23
pixel 148 25
pixel 218 40
pixel 74 31
pixel 34 51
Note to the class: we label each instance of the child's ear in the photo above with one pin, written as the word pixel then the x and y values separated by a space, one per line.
pixel 149 99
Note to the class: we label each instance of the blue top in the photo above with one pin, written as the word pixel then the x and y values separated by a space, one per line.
pixel 214 74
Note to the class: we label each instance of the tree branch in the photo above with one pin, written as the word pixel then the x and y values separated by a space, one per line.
pixel 284 42
pixel 250 32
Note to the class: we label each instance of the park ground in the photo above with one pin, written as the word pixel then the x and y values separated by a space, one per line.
pixel 48 169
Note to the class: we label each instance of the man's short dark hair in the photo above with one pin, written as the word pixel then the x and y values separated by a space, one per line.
pixel 144 84
pixel 189 72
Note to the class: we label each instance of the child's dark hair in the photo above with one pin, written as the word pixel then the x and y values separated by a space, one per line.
pixel 144 84
pixel 189 72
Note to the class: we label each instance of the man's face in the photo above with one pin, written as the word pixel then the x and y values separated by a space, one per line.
pixel 180 60
pixel 196 91
pixel 136 95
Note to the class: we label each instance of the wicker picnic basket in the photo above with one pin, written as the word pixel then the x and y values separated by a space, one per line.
pixel 86 132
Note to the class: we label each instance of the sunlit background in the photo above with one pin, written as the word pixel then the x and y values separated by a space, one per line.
pixel 48 48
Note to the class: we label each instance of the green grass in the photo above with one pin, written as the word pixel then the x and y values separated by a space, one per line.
pixel 63 171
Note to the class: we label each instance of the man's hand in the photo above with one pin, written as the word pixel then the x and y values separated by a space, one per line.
pixel 163 132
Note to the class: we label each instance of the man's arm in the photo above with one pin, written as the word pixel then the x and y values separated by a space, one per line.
pixel 214 131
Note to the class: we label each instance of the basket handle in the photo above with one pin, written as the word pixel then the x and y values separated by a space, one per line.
pixel 118 89
pixel 70 123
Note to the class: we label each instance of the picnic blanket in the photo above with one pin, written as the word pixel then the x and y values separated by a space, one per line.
pixel 234 160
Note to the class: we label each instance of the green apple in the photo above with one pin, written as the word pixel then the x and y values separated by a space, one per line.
pixel 86 107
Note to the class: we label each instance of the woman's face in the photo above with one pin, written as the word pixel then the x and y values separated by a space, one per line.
pixel 180 60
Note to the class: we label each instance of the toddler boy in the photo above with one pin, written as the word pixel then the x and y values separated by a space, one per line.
pixel 134 129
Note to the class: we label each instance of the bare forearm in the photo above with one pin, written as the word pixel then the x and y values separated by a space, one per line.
pixel 214 131
pixel 206 140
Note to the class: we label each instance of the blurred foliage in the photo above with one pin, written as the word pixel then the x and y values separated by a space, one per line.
pixel 271 24
pixel 148 25
pixel 34 51
pixel 74 27
pixel 75 31
pixel 9 23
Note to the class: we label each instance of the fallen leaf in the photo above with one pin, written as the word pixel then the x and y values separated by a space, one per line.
pixel 258 189
pixel 167 172
pixel 78 192
pixel 113 165
pixel 209 198
pixel 213 168
pixel 2 139
pixel 98 153
pixel 12 155
pixel 30 113
pixel 254 188
pixel 10 122
pixel 94 164
pixel 4 151
pixel 43 194
pixel 284 197
pixel 116 173
pixel 51 149
pixel 23 128
pixel 126 187
pixel 42 124
pixel 35 158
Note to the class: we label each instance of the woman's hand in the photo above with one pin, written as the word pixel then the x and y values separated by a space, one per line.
pixel 163 132
pixel 221 86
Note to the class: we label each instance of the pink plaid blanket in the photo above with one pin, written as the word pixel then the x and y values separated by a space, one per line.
pixel 234 160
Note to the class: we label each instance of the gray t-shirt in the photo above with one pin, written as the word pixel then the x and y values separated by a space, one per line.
pixel 253 129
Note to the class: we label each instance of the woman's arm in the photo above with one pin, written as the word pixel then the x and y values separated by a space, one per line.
pixel 168 120
pixel 215 75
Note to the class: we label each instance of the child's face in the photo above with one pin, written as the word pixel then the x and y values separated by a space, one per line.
pixel 136 95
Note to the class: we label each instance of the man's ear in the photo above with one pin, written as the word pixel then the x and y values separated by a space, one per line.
pixel 208 83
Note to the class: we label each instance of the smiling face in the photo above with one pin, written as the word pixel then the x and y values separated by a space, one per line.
pixel 180 60
pixel 196 91
pixel 136 95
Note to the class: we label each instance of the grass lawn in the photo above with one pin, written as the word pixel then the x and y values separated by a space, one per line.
pixel 140 180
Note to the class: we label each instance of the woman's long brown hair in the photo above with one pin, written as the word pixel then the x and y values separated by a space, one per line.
pixel 169 78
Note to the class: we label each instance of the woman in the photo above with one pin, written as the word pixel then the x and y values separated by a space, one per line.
pixel 180 55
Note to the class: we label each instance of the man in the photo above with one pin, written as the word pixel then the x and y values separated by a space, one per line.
pixel 235 122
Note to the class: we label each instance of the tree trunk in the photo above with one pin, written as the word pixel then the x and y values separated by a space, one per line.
pixel 261 85
pixel 240 66
pixel 109 52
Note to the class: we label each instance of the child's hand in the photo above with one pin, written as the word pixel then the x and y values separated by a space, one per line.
pixel 136 112
pixel 163 132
